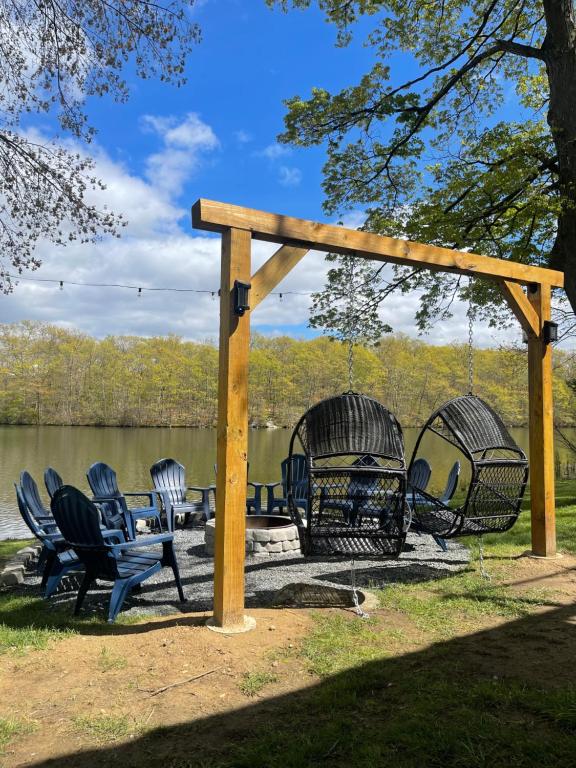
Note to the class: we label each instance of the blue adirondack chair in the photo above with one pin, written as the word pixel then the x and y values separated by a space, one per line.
pixel 450 489
pixel 33 500
pixel 123 563
pixel 104 484
pixel 419 476
pixel 299 477
pixel 169 478
pixel 52 481
pixel 56 558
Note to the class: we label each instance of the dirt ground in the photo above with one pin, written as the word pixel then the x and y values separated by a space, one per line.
pixel 87 678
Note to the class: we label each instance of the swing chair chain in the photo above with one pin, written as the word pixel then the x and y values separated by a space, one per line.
pixel 351 322
pixel 483 572
pixel 470 343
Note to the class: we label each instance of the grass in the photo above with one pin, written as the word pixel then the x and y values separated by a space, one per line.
pixel 109 661
pixel 10 727
pixel 104 728
pixel 30 623
pixel 253 683
pixel 9 547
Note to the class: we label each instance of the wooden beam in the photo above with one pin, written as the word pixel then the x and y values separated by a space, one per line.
pixel 232 437
pixel 272 272
pixel 541 421
pixel 521 307
pixel 216 217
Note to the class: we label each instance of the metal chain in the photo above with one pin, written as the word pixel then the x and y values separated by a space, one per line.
pixel 359 611
pixel 470 340
pixel 483 572
pixel 351 308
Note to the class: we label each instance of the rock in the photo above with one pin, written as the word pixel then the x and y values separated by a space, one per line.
pixel 11 577
pixel 277 547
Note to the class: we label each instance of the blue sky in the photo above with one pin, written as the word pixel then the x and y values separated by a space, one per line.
pixel 214 138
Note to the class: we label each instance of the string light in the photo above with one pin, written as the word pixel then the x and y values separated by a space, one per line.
pixel 141 289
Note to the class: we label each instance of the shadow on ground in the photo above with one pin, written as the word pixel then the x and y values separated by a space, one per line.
pixel 500 697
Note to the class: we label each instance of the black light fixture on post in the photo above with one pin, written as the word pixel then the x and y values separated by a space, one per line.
pixel 241 297
pixel 549 331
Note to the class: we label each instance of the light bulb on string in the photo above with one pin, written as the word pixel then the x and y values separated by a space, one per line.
pixel 61 285
pixel 281 297
pixel 139 294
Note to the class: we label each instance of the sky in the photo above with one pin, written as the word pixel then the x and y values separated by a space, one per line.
pixel 214 138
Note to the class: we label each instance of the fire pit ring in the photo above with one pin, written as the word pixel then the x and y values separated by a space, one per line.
pixel 266 535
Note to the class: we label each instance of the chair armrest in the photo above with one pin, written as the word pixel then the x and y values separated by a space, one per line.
pixel 146 541
pixel 144 494
pixel 201 488
pixel 256 485
pixel 114 533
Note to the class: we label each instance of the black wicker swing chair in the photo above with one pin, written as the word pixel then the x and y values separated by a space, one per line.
pixel 356 507
pixel 499 473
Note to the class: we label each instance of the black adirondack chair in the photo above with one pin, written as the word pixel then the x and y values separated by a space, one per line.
pixel 56 558
pixel 104 484
pixel 299 475
pixel 123 564
pixel 169 478
pixel 499 472
pixel 52 481
pixel 356 479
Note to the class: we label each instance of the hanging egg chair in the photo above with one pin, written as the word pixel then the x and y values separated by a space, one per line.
pixel 499 472
pixel 356 507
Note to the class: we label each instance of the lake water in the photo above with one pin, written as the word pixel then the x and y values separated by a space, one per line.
pixel 131 451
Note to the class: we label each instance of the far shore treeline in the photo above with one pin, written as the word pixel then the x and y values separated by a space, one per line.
pixel 53 376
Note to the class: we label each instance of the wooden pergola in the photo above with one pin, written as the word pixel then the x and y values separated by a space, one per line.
pixel 527 290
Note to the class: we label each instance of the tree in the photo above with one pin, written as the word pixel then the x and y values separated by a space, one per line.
pixel 436 156
pixel 55 55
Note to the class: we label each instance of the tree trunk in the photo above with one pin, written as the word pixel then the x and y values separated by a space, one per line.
pixel 560 51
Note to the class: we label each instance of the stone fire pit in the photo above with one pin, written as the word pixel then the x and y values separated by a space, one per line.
pixel 267 535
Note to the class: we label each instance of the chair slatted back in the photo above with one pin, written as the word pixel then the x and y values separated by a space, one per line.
pixel 27 516
pixel 298 476
pixel 52 481
pixel 79 521
pixel 170 476
pixel 103 481
pixel 32 496
pixel 419 474
pixel 451 483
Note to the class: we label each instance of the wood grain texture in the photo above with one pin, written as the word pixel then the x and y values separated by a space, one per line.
pixel 216 217
pixel 273 271
pixel 521 307
pixel 232 436
pixel 541 422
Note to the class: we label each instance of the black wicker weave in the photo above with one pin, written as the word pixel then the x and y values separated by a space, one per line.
pixel 356 479
pixel 499 472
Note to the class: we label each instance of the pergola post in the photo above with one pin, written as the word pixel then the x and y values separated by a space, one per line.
pixel 232 438
pixel 541 423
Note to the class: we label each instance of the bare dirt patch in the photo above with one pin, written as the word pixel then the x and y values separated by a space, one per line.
pixel 88 692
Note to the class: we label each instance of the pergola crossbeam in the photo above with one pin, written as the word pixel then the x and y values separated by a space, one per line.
pixel 216 217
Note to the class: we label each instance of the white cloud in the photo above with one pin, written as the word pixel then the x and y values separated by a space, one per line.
pixel 289 177
pixel 243 137
pixel 273 151
pixel 156 251
pixel 185 143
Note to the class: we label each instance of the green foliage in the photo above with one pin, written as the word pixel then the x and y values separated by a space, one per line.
pixel 53 376
pixel 105 728
pixel 435 157
pixel 9 547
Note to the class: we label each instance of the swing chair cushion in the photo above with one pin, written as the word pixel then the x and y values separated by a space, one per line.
pixel 357 479
pixel 499 472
